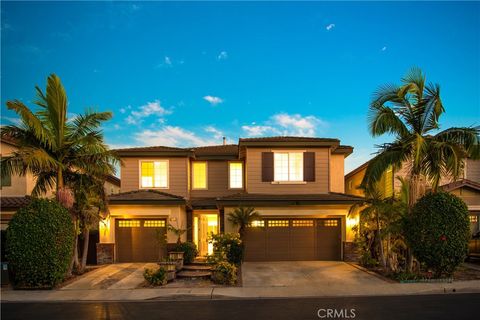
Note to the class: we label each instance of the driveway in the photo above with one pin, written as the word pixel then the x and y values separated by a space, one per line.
pixel 113 276
pixel 306 274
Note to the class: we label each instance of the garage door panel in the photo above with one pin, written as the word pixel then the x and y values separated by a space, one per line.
pixel 137 239
pixel 294 239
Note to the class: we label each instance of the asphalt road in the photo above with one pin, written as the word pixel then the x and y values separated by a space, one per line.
pixel 449 306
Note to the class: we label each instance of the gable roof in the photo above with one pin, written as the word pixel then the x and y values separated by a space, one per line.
pixel 146 196
pixel 13 203
pixel 219 151
pixel 460 184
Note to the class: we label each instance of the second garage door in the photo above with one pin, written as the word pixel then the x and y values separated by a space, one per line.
pixel 140 240
pixel 293 239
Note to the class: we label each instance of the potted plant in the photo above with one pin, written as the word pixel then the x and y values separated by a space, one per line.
pixel 177 255
pixel 170 266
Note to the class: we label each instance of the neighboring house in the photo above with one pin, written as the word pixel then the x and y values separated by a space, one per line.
pixel 467 187
pixel 15 190
pixel 295 183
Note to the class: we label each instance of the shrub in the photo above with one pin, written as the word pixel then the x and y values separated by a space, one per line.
pixel 228 246
pixel 189 250
pixel 155 277
pixel 224 273
pixel 40 240
pixel 438 231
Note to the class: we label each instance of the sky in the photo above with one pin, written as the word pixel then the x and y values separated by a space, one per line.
pixel 187 74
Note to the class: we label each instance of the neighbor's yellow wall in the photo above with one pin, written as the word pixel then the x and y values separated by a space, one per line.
pixel 337 173
pixel 353 182
pixel 175 215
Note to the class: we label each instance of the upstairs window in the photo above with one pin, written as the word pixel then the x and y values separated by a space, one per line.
pixel 236 175
pixel 154 174
pixel 199 175
pixel 288 166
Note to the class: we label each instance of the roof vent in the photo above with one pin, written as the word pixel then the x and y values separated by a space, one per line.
pixel 224 141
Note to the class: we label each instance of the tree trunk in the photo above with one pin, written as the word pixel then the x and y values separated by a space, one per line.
pixel 60 182
pixel 380 244
pixel 76 263
pixel 86 239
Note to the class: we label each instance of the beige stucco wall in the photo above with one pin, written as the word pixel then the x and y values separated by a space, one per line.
pixel 111 188
pixel 175 215
pixel 254 182
pixel 325 211
pixel 177 175
pixel 470 196
pixel 353 182
pixel 337 173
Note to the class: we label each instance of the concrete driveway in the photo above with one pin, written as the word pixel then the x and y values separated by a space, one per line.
pixel 306 274
pixel 113 276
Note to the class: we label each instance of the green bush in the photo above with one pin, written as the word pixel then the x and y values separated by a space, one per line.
pixel 40 240
pixel 228 246
pixel 224 273
pixel 155 277
pixel 438 231
pixel 189 250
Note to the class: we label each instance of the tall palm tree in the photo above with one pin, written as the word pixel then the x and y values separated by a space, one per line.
pixel 243 217
pixel 51 146
pixel 410 112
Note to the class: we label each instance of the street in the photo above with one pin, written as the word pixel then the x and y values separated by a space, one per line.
pixel 448 306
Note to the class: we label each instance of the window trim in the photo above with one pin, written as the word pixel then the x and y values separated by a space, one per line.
pixel 289 181
pixel 243 175
pixel 193 175
pixel 140 174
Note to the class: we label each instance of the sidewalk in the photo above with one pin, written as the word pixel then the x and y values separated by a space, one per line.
pixel 238 292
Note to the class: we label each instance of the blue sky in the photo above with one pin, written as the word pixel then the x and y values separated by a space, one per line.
pixel 189 73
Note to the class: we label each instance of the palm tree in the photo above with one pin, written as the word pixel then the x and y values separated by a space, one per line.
pixel 373 212
pixel 243 217
pixel 51 146
pixel 57 150
pixel 410 112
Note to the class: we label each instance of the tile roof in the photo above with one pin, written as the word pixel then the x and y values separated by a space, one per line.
pixel 288 139
pixel 331 197
pixel 203 203
pixel 112 179
pixel 141 196
pixel 459 184
pixel 221 150
pixel 152 148
pixel 14 202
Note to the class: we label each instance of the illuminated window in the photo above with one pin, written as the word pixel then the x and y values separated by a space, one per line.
pixel 288 166
pixel 473 219
pixel 278 223
pixel 154 223
pixel 330 223
pixel 236 175
pixel 199 175
pixel 302 223
pixel 257 223
pixel 154 174
pixel 129 223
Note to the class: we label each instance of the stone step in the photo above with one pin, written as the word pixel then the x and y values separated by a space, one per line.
pixel 193 274
pixel 193 267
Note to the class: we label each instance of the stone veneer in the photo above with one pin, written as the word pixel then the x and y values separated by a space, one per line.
pixel 105 253
pixel 350 252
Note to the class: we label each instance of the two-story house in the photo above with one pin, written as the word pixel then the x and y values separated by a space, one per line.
pixel 295 183
pixel 467 187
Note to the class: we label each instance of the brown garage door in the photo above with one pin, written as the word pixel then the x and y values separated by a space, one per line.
pixel 293 239
pixel 137 239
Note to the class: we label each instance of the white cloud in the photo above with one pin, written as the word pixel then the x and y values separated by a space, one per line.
pixel 167 61
pixel 223 55
pixel 330 26
pixel 213 100
pixel 255 130
pixel 217 134
pixel 172 136
pixel 287 125
pixel 384 48
pixel 150 109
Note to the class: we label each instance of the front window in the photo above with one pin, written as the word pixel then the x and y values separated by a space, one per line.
pixel 154 174
pixel 236 175
pixel 199 175
pixel 288 166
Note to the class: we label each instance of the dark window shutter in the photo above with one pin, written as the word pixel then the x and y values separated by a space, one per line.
pixel 309 166
pixel 267 166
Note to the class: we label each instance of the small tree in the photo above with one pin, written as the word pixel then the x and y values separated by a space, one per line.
pixel 243 217
pixel 39 244
pixel 438 232
pixel 178 231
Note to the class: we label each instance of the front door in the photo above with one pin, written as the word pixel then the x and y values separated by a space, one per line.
pixel 204 225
